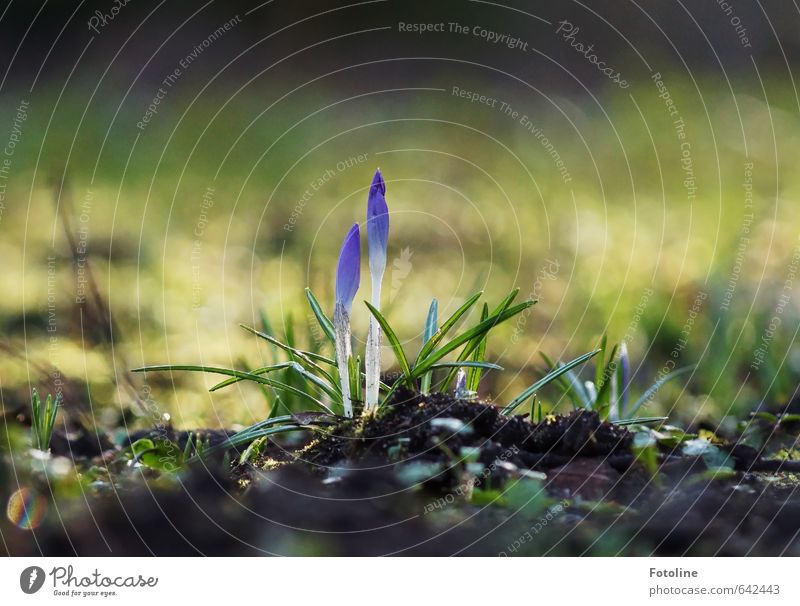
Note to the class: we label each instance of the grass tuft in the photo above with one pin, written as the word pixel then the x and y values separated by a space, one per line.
pixel 43 419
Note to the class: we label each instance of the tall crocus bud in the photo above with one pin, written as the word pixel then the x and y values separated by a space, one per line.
pixel 348 277
pixel 377 236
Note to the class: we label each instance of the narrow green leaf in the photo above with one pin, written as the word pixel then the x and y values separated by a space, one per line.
pixel 474 374
pixel 300 353
pixel 655 387
pixel 640 420
pixel 506 302
pixel 276 425
pixel 324 321
pixel 465 337
pixel 238 440
pixel 474 345
pixel 354 372
pixel 574 381
pixel 187 449
pixel 256 371
pixel 306 357
pixel 603 402
pixel 394 342
pixel 43 419
pixel 427 334
pixel 431 343
pixel 236 373
pixel 467 364
pixel 553 374
pixel 600 366
pixel 267 328
pixel 288 325
pixel 432 357
pixel 431 321
pixel 569 384
pixel 333 390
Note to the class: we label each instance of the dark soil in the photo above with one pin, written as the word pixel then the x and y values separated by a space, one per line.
pixel 408 423
pixel 435 476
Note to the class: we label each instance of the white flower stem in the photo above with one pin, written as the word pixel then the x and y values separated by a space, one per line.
pixel 341 324
pixel 373 352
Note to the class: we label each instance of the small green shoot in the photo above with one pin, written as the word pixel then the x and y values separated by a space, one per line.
pixel 43 420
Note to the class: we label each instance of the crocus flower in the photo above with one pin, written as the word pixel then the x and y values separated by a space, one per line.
pixel 348 272
pixel 377 237
pixel 348 277
pixel 377 229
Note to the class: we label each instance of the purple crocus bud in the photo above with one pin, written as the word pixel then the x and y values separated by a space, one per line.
pixel 625 374
pixel 348 272
pixel 348 277
pixel 377 238
pixel 377 225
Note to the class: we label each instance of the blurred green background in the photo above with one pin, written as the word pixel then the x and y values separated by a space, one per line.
pixel 125 244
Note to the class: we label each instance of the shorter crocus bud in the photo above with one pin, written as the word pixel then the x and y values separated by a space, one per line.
pixel 348 278
pixel 625 374
pixel 348 272
pixel 461 383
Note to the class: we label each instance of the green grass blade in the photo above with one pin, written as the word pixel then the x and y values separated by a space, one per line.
pixel 603 402
pixel 267 328
pixel 431 321
pixel 476 331
pixel 248 376
pixel 300 353
pixel 324 321
pixel 430 329
pixel 238 440
pixel 474 374
pixel 288 324
pixel 333 391
pixel 424 365
pixel 569 384
pixel 354 373
pixel 640 420
pixel 552 375
pixel 474 344
pixel 256 371
pixel 468 364
pixel 306 357
pixel 394 342
pixel 43 419
pixel 507 300
pixel 431 344
pixel 276 425
pixel 36 419
pixel 655 387
pixel 268 423
pixel 600 366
